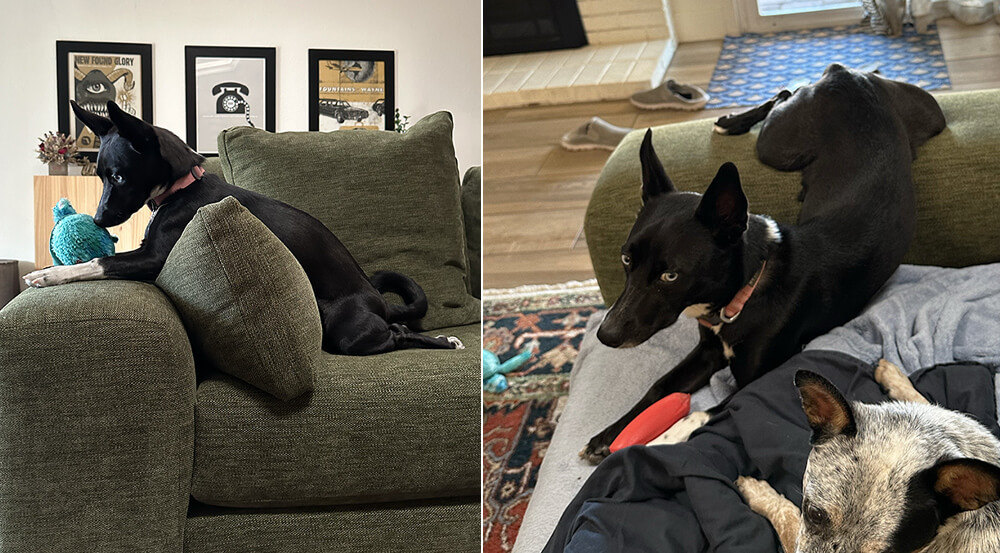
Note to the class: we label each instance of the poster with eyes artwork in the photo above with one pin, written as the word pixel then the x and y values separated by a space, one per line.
pixel 94 73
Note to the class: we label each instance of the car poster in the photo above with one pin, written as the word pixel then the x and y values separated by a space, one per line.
pixel 352 92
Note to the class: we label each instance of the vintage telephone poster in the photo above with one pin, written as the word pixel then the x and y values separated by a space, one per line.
pixel 227 87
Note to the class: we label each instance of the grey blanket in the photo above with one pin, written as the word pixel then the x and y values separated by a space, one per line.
pixel 923 316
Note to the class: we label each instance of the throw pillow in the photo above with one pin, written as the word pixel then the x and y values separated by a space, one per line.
pixel 245 300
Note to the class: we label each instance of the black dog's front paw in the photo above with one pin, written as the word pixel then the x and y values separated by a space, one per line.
pixel 737 123
pixel 723 123
pixel 598 448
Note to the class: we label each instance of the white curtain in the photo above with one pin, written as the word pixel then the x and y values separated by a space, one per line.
pixel 887 16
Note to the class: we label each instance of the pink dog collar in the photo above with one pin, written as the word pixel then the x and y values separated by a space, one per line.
pixel 196 173
pixel 729 313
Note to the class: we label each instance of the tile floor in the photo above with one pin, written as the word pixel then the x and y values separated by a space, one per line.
pixel 588 74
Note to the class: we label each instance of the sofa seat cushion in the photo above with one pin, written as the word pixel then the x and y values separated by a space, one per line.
pixel 955 176
pixel 393 199
pixel 388 427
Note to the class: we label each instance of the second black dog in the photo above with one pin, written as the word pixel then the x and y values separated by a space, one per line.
pixel 141 164
pixel 759 289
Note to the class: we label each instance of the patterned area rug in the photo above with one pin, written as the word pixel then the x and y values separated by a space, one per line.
pixel 754 67
pixel 518 423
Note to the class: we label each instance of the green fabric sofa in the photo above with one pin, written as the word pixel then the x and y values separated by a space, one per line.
pixel 958 194
pixel 116 434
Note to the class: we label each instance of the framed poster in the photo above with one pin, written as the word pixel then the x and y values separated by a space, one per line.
pixel 351 89
pixel 93 73
pixel 227 87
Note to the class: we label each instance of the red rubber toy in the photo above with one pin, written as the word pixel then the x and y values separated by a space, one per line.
pixel 654 421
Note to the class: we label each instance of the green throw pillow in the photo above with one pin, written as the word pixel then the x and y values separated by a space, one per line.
pixel 245 300
pixel 393 199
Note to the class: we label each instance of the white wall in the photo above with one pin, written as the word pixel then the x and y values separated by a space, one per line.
pixel 438 66
pixel 696 20
pixel 621 21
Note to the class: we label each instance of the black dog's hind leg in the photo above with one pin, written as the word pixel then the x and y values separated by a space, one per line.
pixel 688 376
pixel 348 331
pixel 406 338
pixel 740 123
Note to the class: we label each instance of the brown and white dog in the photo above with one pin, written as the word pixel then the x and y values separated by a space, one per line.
pixel 897 477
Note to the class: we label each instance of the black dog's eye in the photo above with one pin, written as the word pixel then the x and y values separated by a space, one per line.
pixel 626 259
pixel 669 276
pixel 816 516
pixel 117 178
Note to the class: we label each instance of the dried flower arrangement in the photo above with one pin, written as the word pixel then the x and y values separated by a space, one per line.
pixel 57 148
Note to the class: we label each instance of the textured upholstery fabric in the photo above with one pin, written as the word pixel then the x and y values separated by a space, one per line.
pixel 430 527
pixel 386 427
pixel 96 413
pixel 246 302
pixel 213 165
pixel 393 199
pixel 955 174
pixel 472 189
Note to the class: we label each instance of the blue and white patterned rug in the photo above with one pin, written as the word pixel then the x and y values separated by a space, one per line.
pixel 754 67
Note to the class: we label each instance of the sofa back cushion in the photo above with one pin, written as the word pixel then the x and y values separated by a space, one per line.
pixel 955 176
pixel 393 199
pixel 472 204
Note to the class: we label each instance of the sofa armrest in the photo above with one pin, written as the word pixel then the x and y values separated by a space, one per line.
pixel 97 389
pixel 954 173
pixel 472 188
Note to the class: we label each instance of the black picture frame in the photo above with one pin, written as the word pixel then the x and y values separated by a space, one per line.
pixel 336 109
pixel 118 62
pixel 233 106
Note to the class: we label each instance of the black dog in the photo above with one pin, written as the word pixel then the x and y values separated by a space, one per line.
pixel 762 290
pixel 141 164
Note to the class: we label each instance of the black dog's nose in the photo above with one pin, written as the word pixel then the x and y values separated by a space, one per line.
pixel 105 219
pixel 611 335
pixel 100 219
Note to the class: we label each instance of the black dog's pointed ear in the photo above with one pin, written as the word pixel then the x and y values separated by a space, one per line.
pixel 178 155
pixel 98 124
pixel 965 484
pixel 828 413
pixel 654 179
pixel 724 206
pixel 131 128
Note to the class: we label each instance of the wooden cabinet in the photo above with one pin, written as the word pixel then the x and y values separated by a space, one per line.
pixel 84 193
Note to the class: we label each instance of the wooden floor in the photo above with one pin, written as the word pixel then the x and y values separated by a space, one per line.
pixel 535 193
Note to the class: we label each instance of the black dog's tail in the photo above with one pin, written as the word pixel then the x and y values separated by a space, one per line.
pixel 413 296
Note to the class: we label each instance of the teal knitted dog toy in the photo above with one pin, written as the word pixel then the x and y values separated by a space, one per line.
pixel 76 238
pixel 493 370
